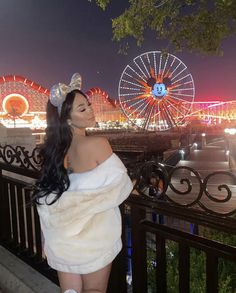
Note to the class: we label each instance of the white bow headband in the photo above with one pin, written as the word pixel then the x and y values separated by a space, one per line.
pixel 59 91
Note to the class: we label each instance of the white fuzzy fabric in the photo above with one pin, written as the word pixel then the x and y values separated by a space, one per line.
pixel 82 230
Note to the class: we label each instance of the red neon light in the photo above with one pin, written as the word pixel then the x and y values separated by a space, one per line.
pixel 30 83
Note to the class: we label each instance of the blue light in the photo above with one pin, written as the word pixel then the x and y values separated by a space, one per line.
pixel 159 90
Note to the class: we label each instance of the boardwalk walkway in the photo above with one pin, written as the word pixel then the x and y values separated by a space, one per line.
pixel 210 159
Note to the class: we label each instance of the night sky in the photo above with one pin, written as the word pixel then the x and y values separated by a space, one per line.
pixel 48 40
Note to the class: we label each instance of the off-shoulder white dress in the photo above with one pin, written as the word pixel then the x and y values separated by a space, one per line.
pixel 82 230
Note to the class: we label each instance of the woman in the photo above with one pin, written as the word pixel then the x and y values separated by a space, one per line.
pixel 82 184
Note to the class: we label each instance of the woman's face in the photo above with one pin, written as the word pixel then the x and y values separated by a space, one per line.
pixel 82 115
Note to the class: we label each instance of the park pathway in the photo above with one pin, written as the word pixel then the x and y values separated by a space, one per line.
pixel 211 158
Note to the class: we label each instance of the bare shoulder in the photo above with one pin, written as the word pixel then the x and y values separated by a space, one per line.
pixel 100 148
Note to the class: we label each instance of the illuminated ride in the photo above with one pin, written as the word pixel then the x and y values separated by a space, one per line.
pixel 105 108
pixel 156 91
pixel 213 112
pixel 22 102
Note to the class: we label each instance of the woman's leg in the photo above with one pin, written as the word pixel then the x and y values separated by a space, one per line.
pixel 70 281
pixel 96 282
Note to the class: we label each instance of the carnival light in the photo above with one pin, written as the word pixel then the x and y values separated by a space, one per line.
pixel 17 103
pixel 230 131
pixel 37 123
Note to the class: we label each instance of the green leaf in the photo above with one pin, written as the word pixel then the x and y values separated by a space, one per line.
pixel 190 25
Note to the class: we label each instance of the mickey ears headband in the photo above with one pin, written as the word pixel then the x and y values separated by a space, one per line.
pixel 59 91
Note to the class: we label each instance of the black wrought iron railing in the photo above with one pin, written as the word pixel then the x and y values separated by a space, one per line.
pixel 182 239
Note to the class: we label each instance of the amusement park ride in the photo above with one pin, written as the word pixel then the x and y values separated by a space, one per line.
pixel 156 92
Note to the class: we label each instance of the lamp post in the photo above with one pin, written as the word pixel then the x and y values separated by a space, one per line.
pixel 203 140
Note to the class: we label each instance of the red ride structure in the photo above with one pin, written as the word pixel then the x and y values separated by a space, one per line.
pixel 105 108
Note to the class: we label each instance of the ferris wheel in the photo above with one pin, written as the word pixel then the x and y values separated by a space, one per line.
pixel 156 91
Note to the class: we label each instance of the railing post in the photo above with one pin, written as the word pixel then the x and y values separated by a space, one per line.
pixel 29 224
pixel 161 263
pixel 5 223
pixel 13 215
pixel 211 273
pixel 184 268
pixel 139 252
pixel 117 282
pixel 21 207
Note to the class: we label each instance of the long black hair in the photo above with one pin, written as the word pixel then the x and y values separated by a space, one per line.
pixel 53 176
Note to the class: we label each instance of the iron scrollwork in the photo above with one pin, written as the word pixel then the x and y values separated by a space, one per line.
pixel 191 190
pixel 20 157
pixel 152 181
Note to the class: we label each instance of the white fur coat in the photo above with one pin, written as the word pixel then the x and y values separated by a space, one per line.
pixel 82 230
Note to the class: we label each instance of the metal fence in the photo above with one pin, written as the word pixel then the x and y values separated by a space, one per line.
pixel 170 244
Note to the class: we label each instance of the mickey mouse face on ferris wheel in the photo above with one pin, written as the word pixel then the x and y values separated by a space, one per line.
pixel 159 89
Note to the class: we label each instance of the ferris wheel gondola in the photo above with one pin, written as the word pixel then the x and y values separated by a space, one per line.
pixel 156 91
